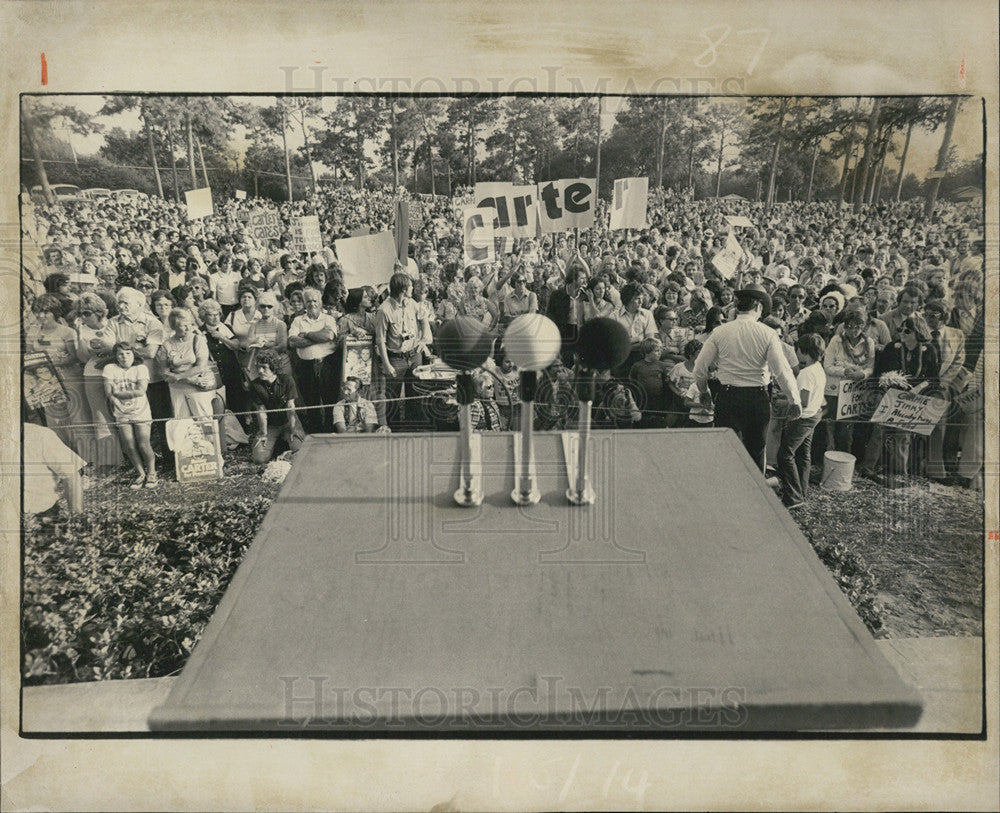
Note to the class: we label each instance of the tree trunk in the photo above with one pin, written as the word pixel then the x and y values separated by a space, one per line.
pixel 842 193
pixel 201 157
pixel 37 157
pixel 152 150
pixel 392 141
pixel 430 160
pixel 308 149
pixel 877 192
pixel 812 172
pixel 597 187
pixel 866 157
pixel 284 146
pixel 190 145
pixel 472 143
pixel 902 160
pixel 774 155
pixel 414 165
pixel 942 158
pixel 173 160
pixel 718 167
pixel 663 139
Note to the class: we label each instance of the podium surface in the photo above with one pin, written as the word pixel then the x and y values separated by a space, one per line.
pixel 684 599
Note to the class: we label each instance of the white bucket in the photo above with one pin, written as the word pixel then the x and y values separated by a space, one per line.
pixel 838 471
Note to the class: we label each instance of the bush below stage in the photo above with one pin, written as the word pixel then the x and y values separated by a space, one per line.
pixel 126 592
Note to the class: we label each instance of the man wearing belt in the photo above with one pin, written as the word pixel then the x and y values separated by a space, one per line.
pixel 396 342
pixel 744 351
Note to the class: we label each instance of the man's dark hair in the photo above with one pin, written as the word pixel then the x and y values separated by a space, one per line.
pixel 812 345
pixel 398 283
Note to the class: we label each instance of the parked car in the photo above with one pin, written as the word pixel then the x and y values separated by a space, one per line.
pixel 97 192
pixel 65 192
pixel 131 193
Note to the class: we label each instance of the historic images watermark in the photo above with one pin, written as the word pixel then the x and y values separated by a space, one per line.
pixel 549 703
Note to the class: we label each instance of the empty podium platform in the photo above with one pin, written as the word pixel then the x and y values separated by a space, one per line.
pixel 684 599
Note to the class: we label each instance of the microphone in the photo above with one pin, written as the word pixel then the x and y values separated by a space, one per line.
pixel 532 342
pixel 464 344
pixel 602 344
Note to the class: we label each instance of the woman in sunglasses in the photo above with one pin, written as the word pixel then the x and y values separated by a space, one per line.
pixel 915 358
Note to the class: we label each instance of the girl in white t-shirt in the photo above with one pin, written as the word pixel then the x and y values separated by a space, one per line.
pixel 125 382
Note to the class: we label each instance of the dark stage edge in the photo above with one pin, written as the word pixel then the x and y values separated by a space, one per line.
pixel 685 599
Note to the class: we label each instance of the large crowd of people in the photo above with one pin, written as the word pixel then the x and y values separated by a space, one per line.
pixel 143 316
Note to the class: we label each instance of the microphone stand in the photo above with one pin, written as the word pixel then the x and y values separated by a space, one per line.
pixel 528 494
pixel 581 493
pixel 464 393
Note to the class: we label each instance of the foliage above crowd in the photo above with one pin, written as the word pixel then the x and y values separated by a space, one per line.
pixel 790 148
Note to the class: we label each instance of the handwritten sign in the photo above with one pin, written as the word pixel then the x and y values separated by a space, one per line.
pixel 305 234
pixel 857 399
pixel 264 225
pixel 739 222
pixel 196 448
pixel 42 385
pixel 913 413
pixel 727 261
pixel 416 212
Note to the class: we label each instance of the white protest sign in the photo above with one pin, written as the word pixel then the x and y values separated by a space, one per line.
pixel 367 260
pixel 516 207
pixel 461 203
pixel 857 399
pixel 628 207
pixel 264 225
pixel 741 222
pixel 477 226
pixel 241 194
pixel 199 203
pixel 305 234
pixel 727 261
pixel 914 413
pixel 566 204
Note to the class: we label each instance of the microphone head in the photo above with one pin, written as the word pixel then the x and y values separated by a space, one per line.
pixel 603 344
pixel 464 343
pixel 532 341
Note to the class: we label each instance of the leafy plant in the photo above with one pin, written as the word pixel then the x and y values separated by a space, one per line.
pixel 126 591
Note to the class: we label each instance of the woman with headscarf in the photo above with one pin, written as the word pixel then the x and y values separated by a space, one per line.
pixel 914 358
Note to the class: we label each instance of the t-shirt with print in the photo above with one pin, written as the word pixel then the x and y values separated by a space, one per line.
pixel 123 382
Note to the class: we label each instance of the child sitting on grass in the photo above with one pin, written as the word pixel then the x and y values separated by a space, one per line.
pixel 796 435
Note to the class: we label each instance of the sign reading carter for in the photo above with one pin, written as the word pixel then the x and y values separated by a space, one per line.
pixel 914 413
pixel 196 448
pixel 628 208
pixel 857 399
pixel 264 225
pixel 306 234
